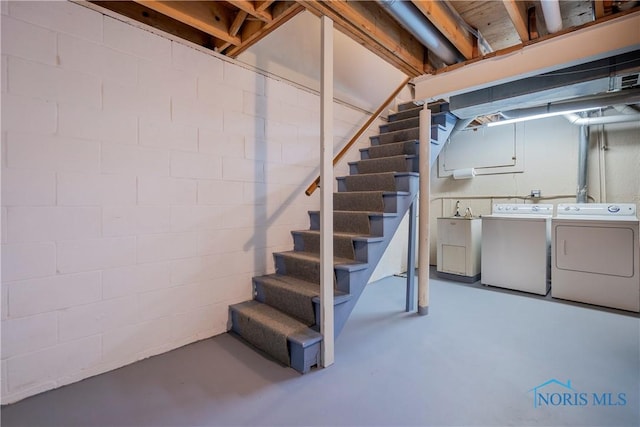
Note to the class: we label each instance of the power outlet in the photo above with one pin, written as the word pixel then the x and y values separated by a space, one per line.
pixel 535 194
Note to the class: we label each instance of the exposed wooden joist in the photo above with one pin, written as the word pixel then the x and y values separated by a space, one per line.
pixel 140 13
pixel 598 8
pixel 241 16
pixel 237 22
pixel 251 9
pixel 370 26
pixel 210 17
pixel 263 5
pixel 517 10
pixel 447 21
pixel 253 31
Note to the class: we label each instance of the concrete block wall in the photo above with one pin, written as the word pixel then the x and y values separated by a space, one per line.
pixel 144 182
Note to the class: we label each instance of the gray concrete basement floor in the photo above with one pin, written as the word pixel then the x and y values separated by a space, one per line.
pixel 473 361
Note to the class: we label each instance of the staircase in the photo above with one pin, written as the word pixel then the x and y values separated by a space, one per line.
pixel 283 318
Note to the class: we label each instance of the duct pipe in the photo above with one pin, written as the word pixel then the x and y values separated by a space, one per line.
pixel 627 96
pixel 583 156
pixel 422 29
pixel 575 119
pixel 552 16
pixel 625 109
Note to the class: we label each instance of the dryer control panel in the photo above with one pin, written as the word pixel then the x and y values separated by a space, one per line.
pixel 612 210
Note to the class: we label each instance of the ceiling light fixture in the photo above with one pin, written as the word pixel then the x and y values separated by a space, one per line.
pixel 538 116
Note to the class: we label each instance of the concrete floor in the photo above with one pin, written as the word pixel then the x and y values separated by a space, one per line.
pixel 473 360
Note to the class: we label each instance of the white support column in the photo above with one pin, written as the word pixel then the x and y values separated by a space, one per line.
pixel 326 193
pixel 423 211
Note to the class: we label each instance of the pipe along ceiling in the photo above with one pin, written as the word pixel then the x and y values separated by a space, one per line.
pixel 423 30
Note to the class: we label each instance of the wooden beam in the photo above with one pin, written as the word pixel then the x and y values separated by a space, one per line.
pixel 372 27
pixel 254 31
pixel 251 9
pixel 517 10
pixel 140 13
pixel 263 5
pixel 209 17
pixel 598 8
pixel 241 16
pixel 447 21
pixel 237 22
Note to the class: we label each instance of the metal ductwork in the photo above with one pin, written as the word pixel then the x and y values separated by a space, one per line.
pixel 583 157
pixel 629 96
pixel 593 77
pixel 583 141
pixel 422 29
pixel 552 16
pixel 575 119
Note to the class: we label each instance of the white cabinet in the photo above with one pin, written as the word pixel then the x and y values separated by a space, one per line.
pixel 459 241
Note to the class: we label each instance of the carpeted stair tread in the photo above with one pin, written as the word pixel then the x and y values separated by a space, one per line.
pixel 294 297
pixel 309 241
pixel 391 149
pixel 350 221
pixel 396 136
pixel 405 114
pixel 385 181
pixel 342 234
pixel 405 123
pixel 410 105
pixel 359 201
pixel 267 328
pixel 373 201
pixel 315 258
pixel 401 163
pixel 289 295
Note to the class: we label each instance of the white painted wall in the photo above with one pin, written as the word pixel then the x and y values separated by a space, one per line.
pixel 550 165
pixel 144 182
pixel 293 52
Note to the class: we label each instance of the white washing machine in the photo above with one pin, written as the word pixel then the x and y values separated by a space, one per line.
pixel 595 255
pixel 516 241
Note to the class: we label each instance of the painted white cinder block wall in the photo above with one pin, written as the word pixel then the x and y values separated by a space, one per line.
pixel 144 182
pixel 550 165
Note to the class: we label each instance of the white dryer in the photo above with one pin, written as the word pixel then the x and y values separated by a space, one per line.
pixel 596 255
pixel 516 241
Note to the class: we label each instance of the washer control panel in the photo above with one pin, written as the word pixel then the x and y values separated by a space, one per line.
pixel 522 209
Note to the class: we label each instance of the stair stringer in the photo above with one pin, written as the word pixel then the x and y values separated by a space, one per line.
pixel 352 278
pixel 446 122
pixel 354 283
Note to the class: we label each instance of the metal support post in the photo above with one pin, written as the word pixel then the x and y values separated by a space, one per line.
pixel 411 258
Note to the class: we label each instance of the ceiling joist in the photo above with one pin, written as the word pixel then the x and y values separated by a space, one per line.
pixel 210 17
pixel 370 26
pixel 230 27
pixel 517 11
pixel 447 21
pixel 252 31
pixel 248 6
